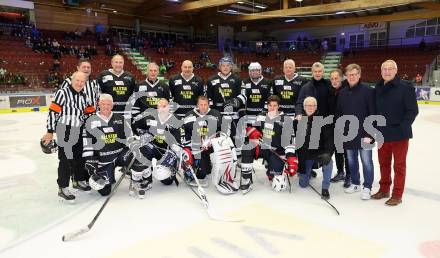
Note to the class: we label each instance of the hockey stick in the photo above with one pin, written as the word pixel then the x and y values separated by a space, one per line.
pixel 200 193
pixel 75 234
pixel 316 191
pixel 283 160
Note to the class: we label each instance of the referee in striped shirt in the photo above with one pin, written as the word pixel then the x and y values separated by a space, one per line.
pixel 66 117
pixel 91 88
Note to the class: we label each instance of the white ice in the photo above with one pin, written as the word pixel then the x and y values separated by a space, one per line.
pixel 171 222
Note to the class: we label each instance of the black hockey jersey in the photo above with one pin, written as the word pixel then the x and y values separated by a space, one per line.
pixel 254 95
pixel 199 128
pixel 103 139
pixel 120 87
pixel 222 88
pixel 152 92
pixel 278 133
pixel 185 93
pixel 165 132
pixel 288 92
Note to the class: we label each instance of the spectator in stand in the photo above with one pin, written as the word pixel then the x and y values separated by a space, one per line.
pixel 422 45
pixel 162 69
pixel 418 79
pixel 56 65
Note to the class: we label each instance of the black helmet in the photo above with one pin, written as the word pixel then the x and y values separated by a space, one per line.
pixel 49 148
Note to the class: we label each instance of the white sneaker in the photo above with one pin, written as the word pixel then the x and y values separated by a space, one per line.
pixel 352 189
pixel 366 194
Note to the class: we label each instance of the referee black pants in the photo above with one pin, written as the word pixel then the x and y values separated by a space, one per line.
pixel 71 163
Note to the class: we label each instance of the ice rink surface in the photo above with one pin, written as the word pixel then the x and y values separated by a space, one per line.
pixel 171 222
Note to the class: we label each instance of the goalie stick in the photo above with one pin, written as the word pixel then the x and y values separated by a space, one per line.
pixel 72 235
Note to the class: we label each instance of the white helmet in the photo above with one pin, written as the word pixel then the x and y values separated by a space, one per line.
pixel 161 172
pixel 98 182
pixel 254 66
pixel 279 183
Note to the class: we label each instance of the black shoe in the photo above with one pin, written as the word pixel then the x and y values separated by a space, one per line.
pixel 325 194
pixel 347 183
pixel 339 177
pixel 313 173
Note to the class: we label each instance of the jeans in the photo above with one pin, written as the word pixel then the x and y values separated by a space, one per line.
pixel 367 166
pixel 304 178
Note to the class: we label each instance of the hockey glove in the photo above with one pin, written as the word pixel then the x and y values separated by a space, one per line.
pixel 292 166
pixel 187 156
pixel 324 158
pixel 253 133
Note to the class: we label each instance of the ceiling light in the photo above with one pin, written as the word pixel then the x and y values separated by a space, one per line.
pixel 240 2
pixel 114 11
pixel 231 11
pixel 290 20
pixel 299 0
pixel 260 6
pixel 341 12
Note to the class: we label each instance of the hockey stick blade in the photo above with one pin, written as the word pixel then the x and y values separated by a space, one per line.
pixel 316 191
pixel 70 236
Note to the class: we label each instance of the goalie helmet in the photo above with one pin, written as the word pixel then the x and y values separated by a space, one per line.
pixel 49 148
pixel 279 183
pixel 98 182
pixel 163 169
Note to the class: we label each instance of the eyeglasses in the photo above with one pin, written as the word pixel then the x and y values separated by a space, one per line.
pixel 351 74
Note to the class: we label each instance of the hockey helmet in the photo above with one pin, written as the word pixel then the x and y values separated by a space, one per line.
pixel 161 172
pixel 254 66
pixel 98 182
pixel 49 148
pixel 225 60
pixel 168 161
pixel 279 183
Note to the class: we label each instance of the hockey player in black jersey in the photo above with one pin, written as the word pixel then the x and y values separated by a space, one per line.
pixel 269 138
pixel 91 87
pixel 166 133
pixel 254 91
pixel 152 89
pixel 106 145
pixel 201 124
pixel 185 88
pixel 118 83
pixel 222 90
pixel 287 87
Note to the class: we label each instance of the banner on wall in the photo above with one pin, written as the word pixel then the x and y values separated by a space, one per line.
pixel 373 26
pixel 27 101
pixel 4 102
pixel 435 94
pixel 422 93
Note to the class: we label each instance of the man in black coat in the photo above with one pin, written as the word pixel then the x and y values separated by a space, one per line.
pixel 358 100
pixel 396 101
pixel 322 90
pixel 336 78
pixel 319 88
pixel 314 148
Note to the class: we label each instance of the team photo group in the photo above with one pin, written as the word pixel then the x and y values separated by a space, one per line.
pixel 211 132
